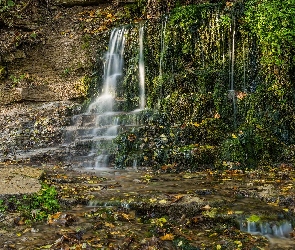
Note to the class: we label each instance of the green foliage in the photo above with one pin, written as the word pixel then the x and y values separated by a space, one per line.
pixel 251 146
pixel 33 35
pixel 34 207
pixel 273 22
pixel 3 71
pixel 170 148
pixel 253 218
pixel 44 203
pixel 5 5
pixel 17 79
pixel 196 65
pixel 3 207
pixel 192 66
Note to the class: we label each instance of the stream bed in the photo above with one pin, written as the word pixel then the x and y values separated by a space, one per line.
pixel 142 209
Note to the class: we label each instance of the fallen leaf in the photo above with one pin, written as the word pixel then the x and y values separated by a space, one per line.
pixel 162 201
pixel 109 225
pixel 207 207
pixel 167 237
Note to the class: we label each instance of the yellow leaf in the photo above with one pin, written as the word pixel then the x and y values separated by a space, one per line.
pixel 176 198
pixel 213 235
pixel 92 13
pixel 217 116
pixel 162 201
pixel 239 243
pixel 218 247
pixel 207 207
pixel 46 247
pixel 109 225
pixel 152 200
pixel 167 237
pixel 196 124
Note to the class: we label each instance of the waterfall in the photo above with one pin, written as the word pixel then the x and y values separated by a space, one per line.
pixel 91 139
pixel 271 229
pixel 231 72
pixel 232 58
pixel 141 70
pixel 113 70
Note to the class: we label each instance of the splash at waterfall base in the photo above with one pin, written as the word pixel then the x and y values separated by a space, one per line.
pixel 139 210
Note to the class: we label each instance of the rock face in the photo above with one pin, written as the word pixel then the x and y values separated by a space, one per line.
pixel 47 58
pixel 19 180
pixel 51 68
pixel 26 127
pixel 70 3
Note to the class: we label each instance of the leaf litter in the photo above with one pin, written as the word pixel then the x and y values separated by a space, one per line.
pixel 160 211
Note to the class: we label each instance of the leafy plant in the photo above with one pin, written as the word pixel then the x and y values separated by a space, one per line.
pixel 253 218
pixel 274 23
pixel 45 202
pixel 3 207
pixel 34 207
pixel 6 4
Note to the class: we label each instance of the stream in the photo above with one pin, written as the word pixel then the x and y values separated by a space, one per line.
pixel 129 209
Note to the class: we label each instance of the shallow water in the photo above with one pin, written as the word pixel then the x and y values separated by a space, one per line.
pixel 118 209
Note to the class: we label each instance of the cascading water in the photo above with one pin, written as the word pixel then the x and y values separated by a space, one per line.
pixel 113 70
pixel 141 70
pixel 270 229
pixel 91 137
pixel 232 71
pixel 163 46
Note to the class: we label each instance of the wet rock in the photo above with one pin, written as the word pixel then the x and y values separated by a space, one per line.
pixel 19 180
pixel 30 131
pixel 205 191
pixel 62 219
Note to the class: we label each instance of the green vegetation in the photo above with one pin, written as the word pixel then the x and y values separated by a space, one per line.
pixel 253 218
pixel 273 22
pixel 34 207
pixel 5 5
pixel 221 79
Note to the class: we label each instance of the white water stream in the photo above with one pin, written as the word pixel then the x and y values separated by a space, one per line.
pixel 92 135
pixel 141 70
pixel 104 104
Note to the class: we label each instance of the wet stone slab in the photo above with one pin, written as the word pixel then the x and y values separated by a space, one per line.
pixel 19 180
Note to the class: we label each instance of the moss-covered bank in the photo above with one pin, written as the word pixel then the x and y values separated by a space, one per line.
pixel 220 88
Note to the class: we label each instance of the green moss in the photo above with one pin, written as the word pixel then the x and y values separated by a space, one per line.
pixel 253 218
pixel 83 86
pixel 237 107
